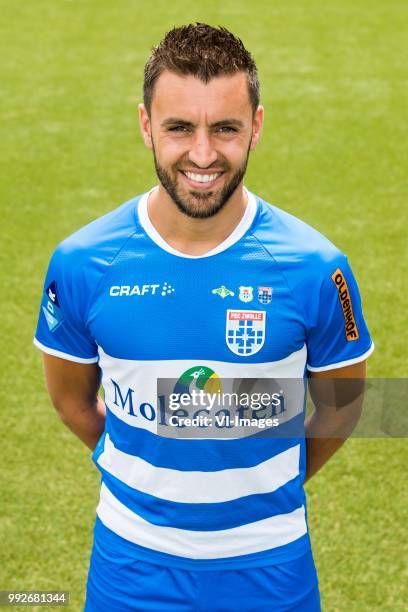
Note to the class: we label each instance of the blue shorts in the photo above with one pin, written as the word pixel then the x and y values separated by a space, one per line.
pixel 119 582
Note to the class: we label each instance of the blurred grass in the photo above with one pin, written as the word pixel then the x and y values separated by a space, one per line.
pixel 334 84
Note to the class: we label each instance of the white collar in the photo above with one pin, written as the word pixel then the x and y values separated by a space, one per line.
pixel 236 234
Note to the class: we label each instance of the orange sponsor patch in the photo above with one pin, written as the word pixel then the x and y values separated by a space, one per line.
pixel 346 305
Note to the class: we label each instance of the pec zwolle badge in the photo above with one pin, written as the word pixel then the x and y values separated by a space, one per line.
pixel 245 331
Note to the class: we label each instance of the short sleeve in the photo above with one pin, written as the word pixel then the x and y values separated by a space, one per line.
pixel 62 329
pixel 338 335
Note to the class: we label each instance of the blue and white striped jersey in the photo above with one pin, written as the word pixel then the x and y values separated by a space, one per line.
pixel 274 299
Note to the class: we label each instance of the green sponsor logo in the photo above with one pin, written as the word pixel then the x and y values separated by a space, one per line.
pixel 222 291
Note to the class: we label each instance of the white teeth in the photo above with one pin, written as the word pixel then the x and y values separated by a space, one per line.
pixel 201 178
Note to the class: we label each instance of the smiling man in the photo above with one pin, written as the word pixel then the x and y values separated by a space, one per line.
pixel 201 281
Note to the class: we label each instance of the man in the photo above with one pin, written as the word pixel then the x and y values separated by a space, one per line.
pixel 198 280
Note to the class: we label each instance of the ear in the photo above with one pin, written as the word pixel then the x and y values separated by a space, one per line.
pixel 257 124
pixel 145 126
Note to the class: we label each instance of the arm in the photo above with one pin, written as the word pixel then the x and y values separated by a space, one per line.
pixel 73 388
pixel 338 407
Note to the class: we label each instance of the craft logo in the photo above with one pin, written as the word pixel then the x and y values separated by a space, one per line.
pixel 245 331
pixel 140 290
pixel 345 301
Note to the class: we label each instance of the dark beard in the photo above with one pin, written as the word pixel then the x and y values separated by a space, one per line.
pixel 199 212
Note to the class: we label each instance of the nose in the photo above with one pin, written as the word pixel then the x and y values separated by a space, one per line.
pixel 202 152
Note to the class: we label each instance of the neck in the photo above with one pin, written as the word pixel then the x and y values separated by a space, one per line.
pixel 194 236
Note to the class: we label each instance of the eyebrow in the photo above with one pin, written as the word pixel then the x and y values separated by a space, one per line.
pixel 222 122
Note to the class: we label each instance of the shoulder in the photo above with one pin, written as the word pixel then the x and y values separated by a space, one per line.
pixel 79 262
pixel 294 244
pixel 102 238
pixel 306 259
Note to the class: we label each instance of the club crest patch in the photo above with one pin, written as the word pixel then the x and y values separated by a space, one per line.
pixel 264 294
pixel 246 294
pixel 245 331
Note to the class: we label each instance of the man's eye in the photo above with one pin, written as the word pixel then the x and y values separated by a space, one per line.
pixel 226 129
pixel 178 128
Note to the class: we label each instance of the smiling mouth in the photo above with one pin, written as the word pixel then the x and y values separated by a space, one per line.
pixel 201 179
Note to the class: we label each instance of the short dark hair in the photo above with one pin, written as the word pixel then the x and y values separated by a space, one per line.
pixel 202 51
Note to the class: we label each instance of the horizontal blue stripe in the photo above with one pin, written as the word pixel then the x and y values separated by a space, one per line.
pixel 206 517
pixel 202 455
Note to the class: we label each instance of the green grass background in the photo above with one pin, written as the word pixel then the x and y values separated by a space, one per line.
pixel 334 84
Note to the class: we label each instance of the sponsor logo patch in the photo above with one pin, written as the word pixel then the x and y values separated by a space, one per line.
pixel 51 308
pixel 222 291
pixel 346 305
pixel 245 331
pixel 51 292
pixel 198 378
